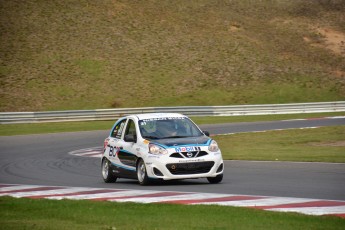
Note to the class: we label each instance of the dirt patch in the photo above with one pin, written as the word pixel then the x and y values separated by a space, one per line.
pixel 234 27
pixel 334 40
pixel 328 39
pixel 306 39
pixel 339 73
pixel 330 144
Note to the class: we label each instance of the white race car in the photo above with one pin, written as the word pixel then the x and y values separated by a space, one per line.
pixel 160 146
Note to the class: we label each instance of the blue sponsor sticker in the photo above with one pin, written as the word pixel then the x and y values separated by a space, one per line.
pixel 187 149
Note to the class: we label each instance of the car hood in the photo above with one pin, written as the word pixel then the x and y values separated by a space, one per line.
pixel 202 140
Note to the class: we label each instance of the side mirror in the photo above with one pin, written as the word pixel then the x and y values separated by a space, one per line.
pixel 130 138
pixel 206 133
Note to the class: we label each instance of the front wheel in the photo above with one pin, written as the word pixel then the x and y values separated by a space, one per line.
pixel 107 174
pixel 141 173
pixel 215 180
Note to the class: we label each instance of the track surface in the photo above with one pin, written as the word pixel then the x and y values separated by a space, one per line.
pixel 44 160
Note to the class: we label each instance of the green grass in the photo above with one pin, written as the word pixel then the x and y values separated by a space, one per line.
pixel 255 118
pixel 325 144
pixel 67 214
pixel 25 129
pixel 60 54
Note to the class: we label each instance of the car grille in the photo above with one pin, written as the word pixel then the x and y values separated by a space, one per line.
pixel 191 154
pixel 190 168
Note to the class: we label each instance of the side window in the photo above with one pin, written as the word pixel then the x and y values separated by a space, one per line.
pixel 131 128
pixel 117 131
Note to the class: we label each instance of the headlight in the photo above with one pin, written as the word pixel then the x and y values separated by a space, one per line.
pixel 155 149
pixel 213 147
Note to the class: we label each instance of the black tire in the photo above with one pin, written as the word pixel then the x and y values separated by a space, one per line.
pixel 215 180
pixel 141 173
pixel 107 174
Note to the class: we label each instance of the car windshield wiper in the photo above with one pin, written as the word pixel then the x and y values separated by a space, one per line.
pixel 151 137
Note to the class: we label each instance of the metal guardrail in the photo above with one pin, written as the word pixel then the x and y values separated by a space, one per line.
pixel 112 114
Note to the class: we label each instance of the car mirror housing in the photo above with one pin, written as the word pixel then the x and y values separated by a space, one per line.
pixel 206 133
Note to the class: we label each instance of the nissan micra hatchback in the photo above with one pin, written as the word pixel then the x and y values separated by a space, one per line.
pixel 164 146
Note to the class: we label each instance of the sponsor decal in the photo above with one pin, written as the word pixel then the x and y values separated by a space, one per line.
pixel 187 161
pixel 146 141
pixel 187 149
pixel 153 156
pixel 161 119
pixel 124 166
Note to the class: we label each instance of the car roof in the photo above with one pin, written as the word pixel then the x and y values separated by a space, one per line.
pixel 157 115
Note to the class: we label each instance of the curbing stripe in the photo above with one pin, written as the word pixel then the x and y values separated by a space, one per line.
pixel 281 204
pixel 220 199
pixel 150 195
pixel 305 204
pixel 69 193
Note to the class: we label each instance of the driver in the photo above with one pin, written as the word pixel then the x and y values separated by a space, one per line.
pixel 166 128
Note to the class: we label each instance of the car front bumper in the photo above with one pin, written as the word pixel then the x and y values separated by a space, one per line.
pixel 169 168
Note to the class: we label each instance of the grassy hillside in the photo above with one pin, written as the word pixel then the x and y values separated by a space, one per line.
pixel 65 54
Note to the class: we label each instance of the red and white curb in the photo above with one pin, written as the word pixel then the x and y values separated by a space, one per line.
pixel 89 152
pixel 281 204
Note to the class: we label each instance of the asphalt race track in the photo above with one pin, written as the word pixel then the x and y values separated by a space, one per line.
pixel 45 160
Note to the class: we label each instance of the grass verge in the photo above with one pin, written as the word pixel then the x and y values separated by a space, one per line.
pixel 23 129
pixel 325 144
pixel 67 214
pixel 64 55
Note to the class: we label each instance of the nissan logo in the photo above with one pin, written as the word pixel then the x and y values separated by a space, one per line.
pixel 189 154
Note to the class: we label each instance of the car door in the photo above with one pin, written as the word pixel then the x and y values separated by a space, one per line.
pixel 120 157
pixel 128 154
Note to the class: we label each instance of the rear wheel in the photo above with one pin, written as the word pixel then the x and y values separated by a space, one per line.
pixel 141 173
pixel 215 180
pixel 107 174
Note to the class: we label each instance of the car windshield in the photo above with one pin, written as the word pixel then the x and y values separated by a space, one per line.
pixel 168 127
